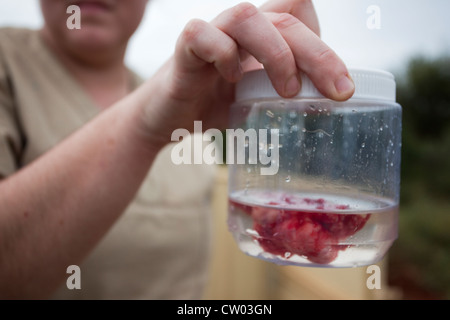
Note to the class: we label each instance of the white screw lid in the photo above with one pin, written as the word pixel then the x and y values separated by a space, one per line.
pixel 370 84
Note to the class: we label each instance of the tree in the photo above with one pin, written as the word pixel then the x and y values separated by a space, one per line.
pixel 421 255
pixel 425 97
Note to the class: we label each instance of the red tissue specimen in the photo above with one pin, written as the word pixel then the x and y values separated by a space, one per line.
pixel 312 234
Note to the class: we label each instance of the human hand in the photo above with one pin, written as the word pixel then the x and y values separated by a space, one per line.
pixel 197 83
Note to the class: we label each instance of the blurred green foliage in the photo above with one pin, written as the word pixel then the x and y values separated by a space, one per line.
pixel 425 97
pixel 424 237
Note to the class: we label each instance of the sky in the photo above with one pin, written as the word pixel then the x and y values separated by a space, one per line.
pixel 385 38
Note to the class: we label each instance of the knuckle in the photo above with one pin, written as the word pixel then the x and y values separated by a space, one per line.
pixel 326 55
pixel 282 54
pixel 284 20
pixel 279 59
pixel 192 30
pixel 243 11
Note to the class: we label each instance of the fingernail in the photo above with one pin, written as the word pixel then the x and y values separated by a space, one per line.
pixel 292 86
pixel 344 85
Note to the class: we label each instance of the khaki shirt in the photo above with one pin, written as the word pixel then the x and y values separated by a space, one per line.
pixel 158 249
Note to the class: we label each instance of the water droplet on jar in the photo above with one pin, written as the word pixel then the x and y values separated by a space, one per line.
pixel 288 179
pixel 287 254
pixel 303 130
pixel 363 145
pixel 305 114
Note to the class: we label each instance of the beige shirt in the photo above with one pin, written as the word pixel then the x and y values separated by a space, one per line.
pixel 158 249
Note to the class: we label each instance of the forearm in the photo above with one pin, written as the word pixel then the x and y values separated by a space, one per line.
pixel 55 210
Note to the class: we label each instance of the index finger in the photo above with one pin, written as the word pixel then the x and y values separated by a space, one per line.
pixel 256 34
pixel 303 10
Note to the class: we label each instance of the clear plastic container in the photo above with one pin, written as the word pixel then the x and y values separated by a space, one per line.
pixel 315 182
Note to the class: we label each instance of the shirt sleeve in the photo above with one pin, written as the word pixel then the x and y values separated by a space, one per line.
pixel 10 138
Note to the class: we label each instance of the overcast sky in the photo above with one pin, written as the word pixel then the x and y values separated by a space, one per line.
pixel 406 28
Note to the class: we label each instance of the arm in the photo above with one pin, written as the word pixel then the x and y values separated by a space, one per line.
pixel 55 210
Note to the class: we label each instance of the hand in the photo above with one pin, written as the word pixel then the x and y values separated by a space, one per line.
pixel 198 82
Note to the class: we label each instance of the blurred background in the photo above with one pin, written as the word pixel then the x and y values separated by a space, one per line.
pixel 409 38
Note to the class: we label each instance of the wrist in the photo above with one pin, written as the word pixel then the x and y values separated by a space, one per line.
pixel 148 125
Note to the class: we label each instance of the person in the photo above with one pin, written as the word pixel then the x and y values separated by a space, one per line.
pixel 84 145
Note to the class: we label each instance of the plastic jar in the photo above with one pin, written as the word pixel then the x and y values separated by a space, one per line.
pixel 315 182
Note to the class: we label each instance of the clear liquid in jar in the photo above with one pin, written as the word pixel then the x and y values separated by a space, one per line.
pixel 312 229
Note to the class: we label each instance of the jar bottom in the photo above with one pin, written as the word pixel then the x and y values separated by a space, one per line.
pixel 353 256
